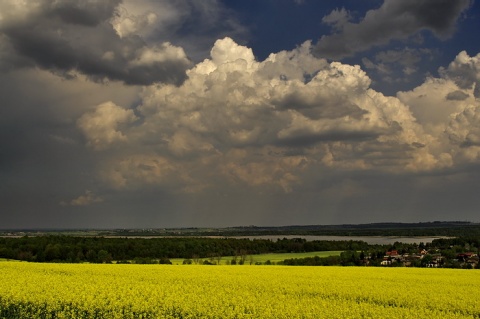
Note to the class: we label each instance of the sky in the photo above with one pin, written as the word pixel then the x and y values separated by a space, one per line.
pixel 209 113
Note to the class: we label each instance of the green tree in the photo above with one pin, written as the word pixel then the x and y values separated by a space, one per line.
pixel 104 257
pixel 52 252
pixel 91 256
pixel 427 259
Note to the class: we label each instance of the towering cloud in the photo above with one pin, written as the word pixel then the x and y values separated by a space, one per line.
pixel 241 121
pixel 465 72
pixel 447 108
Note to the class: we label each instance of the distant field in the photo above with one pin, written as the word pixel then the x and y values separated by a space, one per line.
pixel 262 258
pixel 108 291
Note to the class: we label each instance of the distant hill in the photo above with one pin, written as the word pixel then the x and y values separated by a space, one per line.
pixel 435 228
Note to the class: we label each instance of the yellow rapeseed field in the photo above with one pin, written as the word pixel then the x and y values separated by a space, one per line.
pixel 31 290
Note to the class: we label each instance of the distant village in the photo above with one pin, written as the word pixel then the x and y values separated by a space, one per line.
pixel 425 258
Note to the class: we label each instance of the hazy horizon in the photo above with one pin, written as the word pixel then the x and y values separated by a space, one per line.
pixel 237 226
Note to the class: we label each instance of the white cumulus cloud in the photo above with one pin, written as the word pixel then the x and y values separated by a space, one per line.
pixel 101 126
pixel 239 121
pixel 87 199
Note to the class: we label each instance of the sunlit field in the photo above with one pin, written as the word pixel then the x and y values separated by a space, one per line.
pixel 262 258
pixel 32 290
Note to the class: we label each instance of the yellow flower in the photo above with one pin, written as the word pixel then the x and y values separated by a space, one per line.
pixel 34 290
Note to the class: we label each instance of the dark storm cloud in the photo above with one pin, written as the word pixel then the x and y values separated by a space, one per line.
pixel 320 107
pixel 457 96
pixel 89 13
pixel 395 19
pixel 305 138
pixel 71 36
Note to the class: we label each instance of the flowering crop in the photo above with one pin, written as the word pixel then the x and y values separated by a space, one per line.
pixel 32 290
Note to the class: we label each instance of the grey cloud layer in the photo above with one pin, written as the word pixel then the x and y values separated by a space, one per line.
pixel 278 123
pixel 110 40
pixel 393 20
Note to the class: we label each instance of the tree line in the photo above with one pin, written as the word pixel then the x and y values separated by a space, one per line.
pixel 99 249
pixel 70 249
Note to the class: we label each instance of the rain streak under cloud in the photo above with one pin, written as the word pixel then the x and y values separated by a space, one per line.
pixel 163 113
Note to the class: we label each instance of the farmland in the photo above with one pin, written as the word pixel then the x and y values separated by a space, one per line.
pixel 39 290
pixel 263 258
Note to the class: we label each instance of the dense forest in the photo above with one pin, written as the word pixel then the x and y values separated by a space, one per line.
pixel 72 249
pixel 100 249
